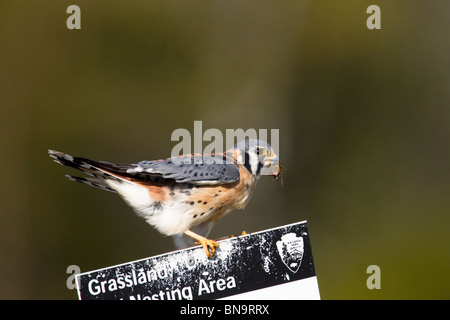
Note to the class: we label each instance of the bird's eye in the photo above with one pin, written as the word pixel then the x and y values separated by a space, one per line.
pixel 260 151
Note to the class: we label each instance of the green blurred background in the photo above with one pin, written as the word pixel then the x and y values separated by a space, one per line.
pixel 363 116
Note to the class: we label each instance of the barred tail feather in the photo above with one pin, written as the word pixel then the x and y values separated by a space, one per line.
pixel 93 182
pixel 95 169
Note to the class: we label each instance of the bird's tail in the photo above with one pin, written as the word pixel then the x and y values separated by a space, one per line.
pixel 99 171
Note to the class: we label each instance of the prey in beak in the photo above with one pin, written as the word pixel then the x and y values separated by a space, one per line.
pixel 276 169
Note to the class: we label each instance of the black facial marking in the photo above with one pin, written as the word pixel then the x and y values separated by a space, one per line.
pixel 247 162
pixel 258 170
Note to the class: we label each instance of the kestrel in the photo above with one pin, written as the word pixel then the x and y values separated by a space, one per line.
pixel 183 196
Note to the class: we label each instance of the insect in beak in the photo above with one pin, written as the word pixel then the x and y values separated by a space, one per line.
pixel 277 173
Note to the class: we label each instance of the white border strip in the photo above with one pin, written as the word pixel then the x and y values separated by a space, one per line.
pixel 303 289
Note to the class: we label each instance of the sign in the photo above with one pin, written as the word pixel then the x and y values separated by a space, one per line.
pixel 271 264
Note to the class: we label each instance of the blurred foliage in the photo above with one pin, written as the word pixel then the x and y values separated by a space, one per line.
pixel 363 116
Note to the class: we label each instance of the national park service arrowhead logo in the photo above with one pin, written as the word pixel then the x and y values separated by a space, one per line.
pixel 290 248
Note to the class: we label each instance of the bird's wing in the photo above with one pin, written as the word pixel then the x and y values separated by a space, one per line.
pixel 195 169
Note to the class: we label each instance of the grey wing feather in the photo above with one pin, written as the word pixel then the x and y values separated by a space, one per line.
pixel 193 169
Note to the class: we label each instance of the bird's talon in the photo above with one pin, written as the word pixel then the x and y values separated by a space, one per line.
pixel 210 247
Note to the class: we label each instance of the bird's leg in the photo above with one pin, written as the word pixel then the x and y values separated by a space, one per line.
pixel 208 245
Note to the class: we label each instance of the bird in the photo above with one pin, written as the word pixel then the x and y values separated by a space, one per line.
pixel 183 196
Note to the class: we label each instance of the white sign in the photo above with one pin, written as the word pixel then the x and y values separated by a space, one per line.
pixel 271 264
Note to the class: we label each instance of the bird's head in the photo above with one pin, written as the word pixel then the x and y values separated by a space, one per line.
pixel 258 158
